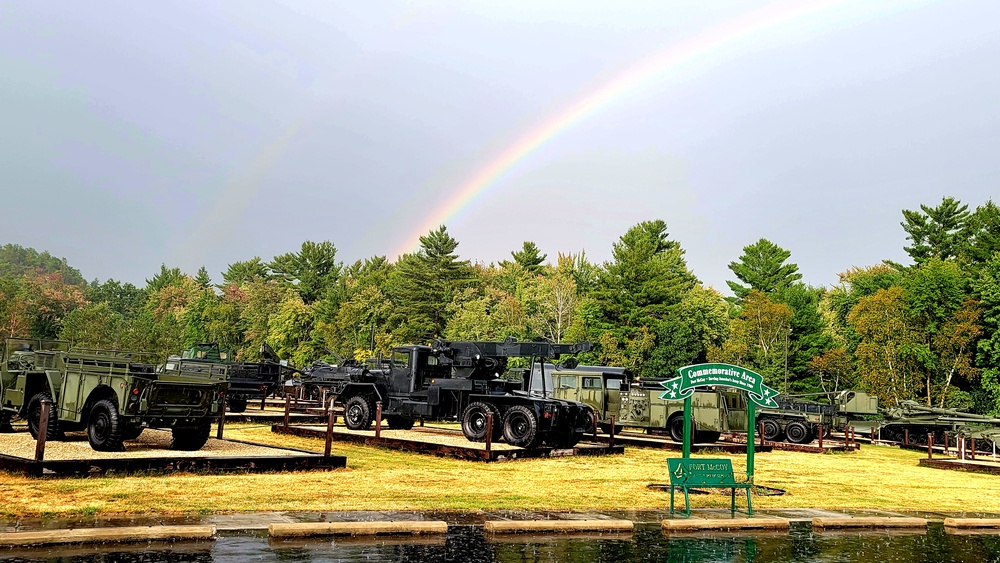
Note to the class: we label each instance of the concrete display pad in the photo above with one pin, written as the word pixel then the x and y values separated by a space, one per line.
pixel 442 442
pixel 151 452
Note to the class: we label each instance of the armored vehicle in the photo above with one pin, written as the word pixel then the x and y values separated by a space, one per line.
pixel 461 381
pixel 611 392
pixel 247 380
pixel 112 394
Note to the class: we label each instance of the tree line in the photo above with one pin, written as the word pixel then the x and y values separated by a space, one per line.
pixel 926 331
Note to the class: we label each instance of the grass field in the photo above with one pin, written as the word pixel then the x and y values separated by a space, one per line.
pixel 381 479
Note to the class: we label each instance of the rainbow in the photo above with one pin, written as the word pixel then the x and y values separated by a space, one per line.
pixel 700 48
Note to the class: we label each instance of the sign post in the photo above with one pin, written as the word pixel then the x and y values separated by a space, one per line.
pixel 720 375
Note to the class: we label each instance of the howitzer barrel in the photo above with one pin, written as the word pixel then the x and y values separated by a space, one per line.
pixel 954 415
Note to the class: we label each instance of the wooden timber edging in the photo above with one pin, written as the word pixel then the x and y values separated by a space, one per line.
pixel 253 464
pixel 868 522
pixel 312 529
pixel 958 465
pixel 106 535
pixel 534 526
pixel 699 524
pixel 971 523
pixel 446 450
pixel 666 443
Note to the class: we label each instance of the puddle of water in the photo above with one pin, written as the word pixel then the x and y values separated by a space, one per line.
pixel 468 544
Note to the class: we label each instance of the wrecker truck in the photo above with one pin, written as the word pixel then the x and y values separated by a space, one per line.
pixel 458 381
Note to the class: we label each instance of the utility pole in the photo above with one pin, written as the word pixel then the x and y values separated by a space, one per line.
pixel 787 332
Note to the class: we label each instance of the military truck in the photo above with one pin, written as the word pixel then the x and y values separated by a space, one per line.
pixel 612 391
pixel 798 421
pixel 247 380
pixel 112 394
pixel 461 381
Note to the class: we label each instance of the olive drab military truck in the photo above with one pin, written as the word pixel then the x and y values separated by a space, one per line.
pixel 247 380
pixel 461 381
pixel 611 392
pixel 799 421
pixel 111 394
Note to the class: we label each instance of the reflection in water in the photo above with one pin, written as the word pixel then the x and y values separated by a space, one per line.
pixel 647 544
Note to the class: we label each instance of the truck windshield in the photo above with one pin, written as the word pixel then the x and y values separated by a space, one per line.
pixel 400 358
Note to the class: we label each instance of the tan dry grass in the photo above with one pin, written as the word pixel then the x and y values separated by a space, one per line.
pixel 382 479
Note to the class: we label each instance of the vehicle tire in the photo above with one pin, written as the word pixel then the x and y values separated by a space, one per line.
pixel 707 436
pixel 190 438
pixel 564 440
pixel 676 427
pixel 772 430
pixel 606 428
pixel 236 404
pixel 35 414
pixel 104 427
pixel 399 422
pixel 520 427
pixel 798 433
pixel 474 422
pixel 131 432
pixel 358 413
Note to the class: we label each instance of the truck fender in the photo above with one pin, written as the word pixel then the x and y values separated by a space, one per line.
pixel 358 389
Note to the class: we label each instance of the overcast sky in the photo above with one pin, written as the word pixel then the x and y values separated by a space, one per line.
pixel 203 133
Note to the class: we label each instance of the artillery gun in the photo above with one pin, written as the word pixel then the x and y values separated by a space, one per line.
pixel 112 394
pixel 459 380
pixel 920 420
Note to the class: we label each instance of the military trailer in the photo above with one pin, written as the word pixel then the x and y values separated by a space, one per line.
pixel 247 380
pixel 461 381
pixel 112 394
pixel 611 392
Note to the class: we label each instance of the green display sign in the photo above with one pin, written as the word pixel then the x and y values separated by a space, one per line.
pixel 724 375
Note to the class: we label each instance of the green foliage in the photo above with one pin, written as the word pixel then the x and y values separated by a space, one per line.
pixel 17 261
pixel 422 286
pixel 311 271
pixel 240 273
pixel 166 277
pixel 762 267
pixel 529 258
pixel 933 230
pixel 123 298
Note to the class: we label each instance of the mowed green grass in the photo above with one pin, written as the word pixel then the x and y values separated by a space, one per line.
pixel 382 479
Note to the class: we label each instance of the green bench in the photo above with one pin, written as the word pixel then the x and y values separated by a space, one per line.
pixel 702 473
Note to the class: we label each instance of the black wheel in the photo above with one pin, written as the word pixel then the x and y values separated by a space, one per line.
pixel 520 427
pixel 676 427
pixel 606 428
pixel 798 432
pixel 399 422
pixel 236 404
pixel 104 427
pixel 35 415
pixel 707 436
pixel 772 430
pixel 190 438
pixel 358 413
pixel 131 431
pixel 564 439
pixel 474 422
